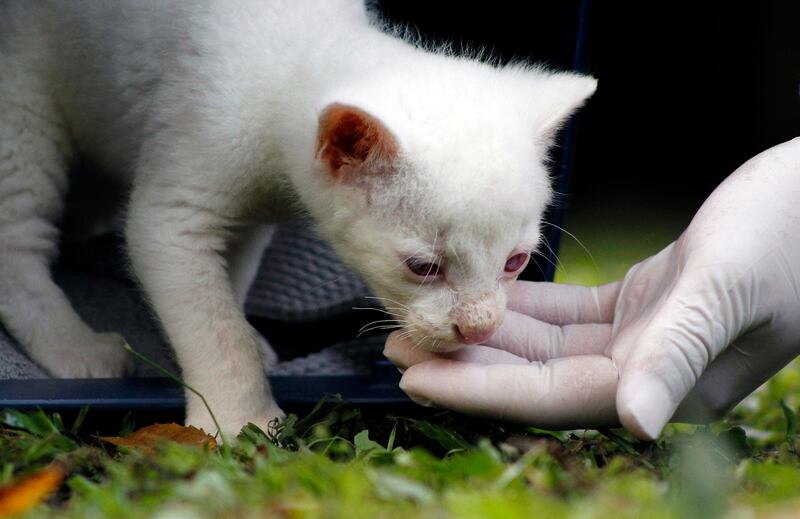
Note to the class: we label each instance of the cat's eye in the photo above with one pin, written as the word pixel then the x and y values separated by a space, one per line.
pixel 516 262
pixel 422 268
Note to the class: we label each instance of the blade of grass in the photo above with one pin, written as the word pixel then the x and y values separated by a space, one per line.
pixel 76 425
pixel 178 380
pixel 626 446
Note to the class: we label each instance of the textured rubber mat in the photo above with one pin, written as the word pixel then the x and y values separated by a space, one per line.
pixel 300 280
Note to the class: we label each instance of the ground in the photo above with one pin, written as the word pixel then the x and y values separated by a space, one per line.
pixel 340 461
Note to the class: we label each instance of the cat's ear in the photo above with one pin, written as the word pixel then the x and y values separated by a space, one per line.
pixel 559 96
pixel 352 142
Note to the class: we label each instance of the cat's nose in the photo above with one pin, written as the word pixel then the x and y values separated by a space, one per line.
pixel 472 335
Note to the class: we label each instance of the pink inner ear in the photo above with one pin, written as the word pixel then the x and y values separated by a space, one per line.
pixel 349 137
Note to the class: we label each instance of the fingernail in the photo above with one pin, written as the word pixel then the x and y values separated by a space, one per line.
pixel 424 402
pixel 647 408
pixel 394 361
pixel 417 399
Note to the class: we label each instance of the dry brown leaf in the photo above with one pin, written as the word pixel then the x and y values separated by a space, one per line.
pixel 32 490
pixel 146 438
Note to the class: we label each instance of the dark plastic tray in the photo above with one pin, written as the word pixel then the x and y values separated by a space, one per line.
pixel 162 394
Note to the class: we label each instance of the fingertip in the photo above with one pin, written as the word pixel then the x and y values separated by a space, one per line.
pixel 644 406
pixel 390 348
pixel 403 353
pixel 409 385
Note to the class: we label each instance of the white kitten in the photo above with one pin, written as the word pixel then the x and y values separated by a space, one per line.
pixel 424 171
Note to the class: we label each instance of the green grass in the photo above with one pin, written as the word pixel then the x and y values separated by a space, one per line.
pixel 340 461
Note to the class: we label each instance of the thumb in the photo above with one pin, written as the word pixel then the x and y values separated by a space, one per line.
pixel 663 352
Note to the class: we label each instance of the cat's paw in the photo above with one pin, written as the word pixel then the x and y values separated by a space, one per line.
pixel 231 423
pixel 102 355
pixel 267 420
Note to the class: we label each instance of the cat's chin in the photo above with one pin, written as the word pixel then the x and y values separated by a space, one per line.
pixel 448 347
pixel 441 346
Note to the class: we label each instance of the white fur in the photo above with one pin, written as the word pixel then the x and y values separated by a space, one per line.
pixel 209 112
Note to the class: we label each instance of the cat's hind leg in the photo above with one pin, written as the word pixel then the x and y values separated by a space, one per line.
pixel 34 152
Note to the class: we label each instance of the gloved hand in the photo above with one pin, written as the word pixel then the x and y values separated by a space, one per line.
pixel 685 336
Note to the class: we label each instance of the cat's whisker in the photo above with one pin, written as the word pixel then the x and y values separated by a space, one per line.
pixel 397 314
pixel 541 271
pixel 411 334
pixel 381 310
pixel 425 340
pixel 409 330
pixel 546 259
pixel 381 321
pixel 385 327
pixel 580 243
pixel 386 299
pixel 559 264
pixel 421 341
pixel 404 335
pixel 396 309
pixel 401 305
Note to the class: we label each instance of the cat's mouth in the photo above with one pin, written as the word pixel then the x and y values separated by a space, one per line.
pixel 444 339
pixel 439 345
pixel 430 338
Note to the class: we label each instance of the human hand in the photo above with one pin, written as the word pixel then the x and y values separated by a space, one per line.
pixel 685 336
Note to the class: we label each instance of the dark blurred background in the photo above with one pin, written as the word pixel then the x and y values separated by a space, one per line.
pixel 687 90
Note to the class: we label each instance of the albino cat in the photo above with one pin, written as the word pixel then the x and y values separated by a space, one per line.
pixel 424 171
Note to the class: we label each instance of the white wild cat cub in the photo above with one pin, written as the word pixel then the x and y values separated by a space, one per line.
pixel 424 171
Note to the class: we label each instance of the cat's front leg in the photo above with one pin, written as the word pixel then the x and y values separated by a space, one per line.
pixel 177 236
pixel 243 258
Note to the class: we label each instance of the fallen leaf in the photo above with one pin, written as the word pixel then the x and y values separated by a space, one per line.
pixel 32 490
pixel 146 438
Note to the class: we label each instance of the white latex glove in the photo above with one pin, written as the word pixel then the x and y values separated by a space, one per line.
pixel 685 336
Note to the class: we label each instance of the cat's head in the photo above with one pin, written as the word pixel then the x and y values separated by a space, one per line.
pixel 435 194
